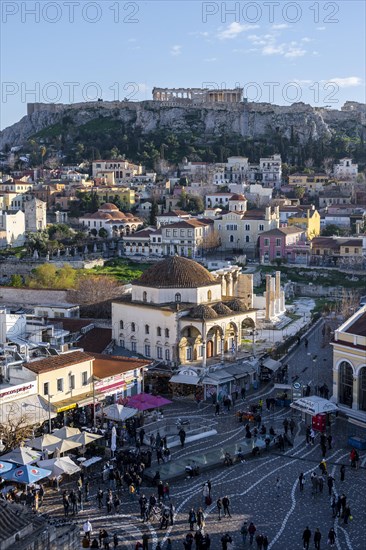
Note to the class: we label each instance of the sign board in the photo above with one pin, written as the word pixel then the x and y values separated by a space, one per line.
pixel 296 391
pixel 18 392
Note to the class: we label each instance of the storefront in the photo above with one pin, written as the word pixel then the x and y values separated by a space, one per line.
pixel 268 368
pixel 186 383
pixel 22 404
pixel 220 382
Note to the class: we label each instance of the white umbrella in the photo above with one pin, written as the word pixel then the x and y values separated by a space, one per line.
pixel 114 440
pixel 84 438
pixel 59 466
pixel 44 441
pixel 63 446
pixel 22 455
pixel 118 412
pixel 65 432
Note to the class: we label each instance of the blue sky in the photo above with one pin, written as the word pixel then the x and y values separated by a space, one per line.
pixel 278 51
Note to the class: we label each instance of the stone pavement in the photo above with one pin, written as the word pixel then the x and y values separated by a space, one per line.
pixel 282 514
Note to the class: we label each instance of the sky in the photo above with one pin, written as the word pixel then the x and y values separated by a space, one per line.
pixel 66 51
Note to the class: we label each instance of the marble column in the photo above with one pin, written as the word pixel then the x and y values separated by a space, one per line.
pixel 268 297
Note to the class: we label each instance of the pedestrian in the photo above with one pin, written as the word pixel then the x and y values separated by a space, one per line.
pixel 312 436
pixel 87 528
pixel 329 439
pixel 226 506
pixel 285 425
pixel 171 513
pixel 343 472
pixel 115 540
pixel 323 467
pixel 219 507
pixel 314 483
pixel 330 482
pixel 292 426
pixel 182 437
pixel 346 514
pixel 251 531
pixel 265 542
pixel 334 507
pixel 306 536
pixel 244 532
pixel 100 497
pixel 242 393
pixel 278 487
pixel 317 538
pixel 66 503
pixel 301 481
pixel 164 521
pixel 331 537
pixel 169 544
pixel 200 519
pixel 145 541
pixel 307 434
pixel 225 540
pixel 259 541
pixel 86 490
pixel 320 483
pixel 192 519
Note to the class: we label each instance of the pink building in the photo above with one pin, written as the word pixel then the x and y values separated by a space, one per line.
pixel 287 243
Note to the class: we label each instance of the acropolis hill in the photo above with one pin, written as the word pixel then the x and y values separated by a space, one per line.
pixel 204 112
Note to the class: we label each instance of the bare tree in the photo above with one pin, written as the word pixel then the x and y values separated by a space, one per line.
pixel 211 242
pixel 14 429
pixel 94 293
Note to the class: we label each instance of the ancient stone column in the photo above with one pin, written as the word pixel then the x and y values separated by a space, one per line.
pixel 273 297
pixel 268 297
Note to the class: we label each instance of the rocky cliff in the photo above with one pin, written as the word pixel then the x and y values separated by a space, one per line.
pixel 248 120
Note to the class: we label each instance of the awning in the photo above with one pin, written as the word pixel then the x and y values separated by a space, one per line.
pixel 111 388
pixel 33 410
pixel 271 364
pixel 185 379
pixel 73 402
pixel 314 405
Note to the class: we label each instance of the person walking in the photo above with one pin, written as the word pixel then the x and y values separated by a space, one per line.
pixel 244 532
pixel 301 482
pixel 346 514
pixel 87 528
pixel 306 536
pixel 225 540
pixel 145 541
pixel 251 531
pixel 259 541
pixel 317 538
pixel 200 519
pixel 343 472
pixel 265 542
pixel 292 426
pixel 182 437
pixel 226 506
pixel 330 483
pixel 331 537
pixel 219 507
pixel 192 519
pixel 334 507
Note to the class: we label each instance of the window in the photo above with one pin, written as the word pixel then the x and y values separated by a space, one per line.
pixel 133 327
pixel 158 331
pixel 356 250
pixel 166 333
pixel 133 346
pixel 346 250
pixel 72 382
pixel 209 296
pixel 178 297
pixel 231 239
pixel 266 242
pixel 261 227
pixel 247 239
pixel 147 329
pixel 175 232
pixel 60 384
pixel 46 388
pixel 189 354
pixel 84 378
pixel 247 227
pixel 144 296
pixel 121 325
pixel 167 355
pixel 278 254
pixel 122 343
pixel 278 242
pixel 147 350
pixel 159 351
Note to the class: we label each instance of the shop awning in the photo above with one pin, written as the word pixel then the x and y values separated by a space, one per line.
pixel 314 405
pixel 111 388
pixel 73 402
pixel 33 410
pixel 185 379
pixel 271 364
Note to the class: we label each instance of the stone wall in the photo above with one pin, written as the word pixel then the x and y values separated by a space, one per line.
pixel 13 266
pixel 31 296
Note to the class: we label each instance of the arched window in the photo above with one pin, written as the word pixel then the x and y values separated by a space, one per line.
pixel 133 327
pixel 231 238
pixel 247 239
pixel 345 384
pixel 209 296
pixel 147 329
pixel 166 333
pixel 144 296
pixel 158 331
pixel 247 227
pixel 178 297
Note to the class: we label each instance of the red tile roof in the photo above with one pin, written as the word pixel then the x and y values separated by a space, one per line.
pixel 109 365
pixel 96 340
pixel 57 361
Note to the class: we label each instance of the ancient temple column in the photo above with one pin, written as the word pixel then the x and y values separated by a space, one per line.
pixel 268 297
pixel 272 297
pixel 229 284
pixel 278 292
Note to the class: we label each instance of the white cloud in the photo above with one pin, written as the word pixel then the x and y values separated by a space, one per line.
pixel 320 28
pixel 348 82
pixel 176 50
pixel 234 29
pixel 280 26
pixel 306 39
pixel 199 33
pixel 294 52
pixel 268 45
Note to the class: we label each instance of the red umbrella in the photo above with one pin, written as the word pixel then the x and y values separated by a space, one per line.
pixel 145 401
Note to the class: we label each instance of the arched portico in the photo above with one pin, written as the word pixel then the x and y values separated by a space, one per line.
pixel 345 384
pixel 213 341
pixel 190 344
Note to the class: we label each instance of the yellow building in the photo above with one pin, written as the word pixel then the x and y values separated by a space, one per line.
pixel 64 380
pixel 349 366
pixel 309 220
pixel 108 194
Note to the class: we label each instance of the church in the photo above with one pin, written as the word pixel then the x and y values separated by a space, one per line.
pixel 178 312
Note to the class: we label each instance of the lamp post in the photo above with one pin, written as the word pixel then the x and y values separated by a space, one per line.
pixel 49 414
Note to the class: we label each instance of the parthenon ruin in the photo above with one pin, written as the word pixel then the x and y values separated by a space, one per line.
pixel 201 95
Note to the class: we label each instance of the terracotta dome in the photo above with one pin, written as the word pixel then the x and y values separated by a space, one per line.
pixel 237 305
pixel 108 206
pixel 203 312
pixel 176 272
pixel 237 197
pixel 222 309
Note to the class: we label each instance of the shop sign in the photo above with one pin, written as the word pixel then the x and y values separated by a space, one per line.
pixel 66 408
pixel 17 392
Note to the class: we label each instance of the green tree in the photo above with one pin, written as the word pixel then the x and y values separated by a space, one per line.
pixel 299 192
pixel 94 232
pixel 153 213
pixel 103 233
pixel 16 281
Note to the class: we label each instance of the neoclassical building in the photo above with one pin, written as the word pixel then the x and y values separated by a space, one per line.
pixel 110 218
pixel 180 313
pixel 349 366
